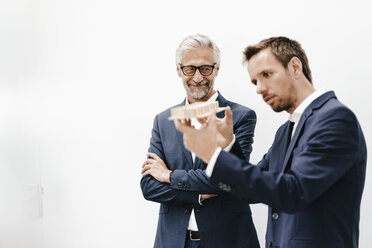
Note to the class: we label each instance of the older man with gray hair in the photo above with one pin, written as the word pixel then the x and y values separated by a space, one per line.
pixel 193 212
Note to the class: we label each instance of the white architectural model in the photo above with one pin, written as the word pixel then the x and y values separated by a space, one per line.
pixel 196 110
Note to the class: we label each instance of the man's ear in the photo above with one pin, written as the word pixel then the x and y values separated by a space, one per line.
pixel 217 70
pixel 295 65
pixel 179 71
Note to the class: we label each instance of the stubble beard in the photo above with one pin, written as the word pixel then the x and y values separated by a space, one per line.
pixel 281 107
pixel 287 103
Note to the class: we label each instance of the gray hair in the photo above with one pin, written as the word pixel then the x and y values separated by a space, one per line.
pixel 197 41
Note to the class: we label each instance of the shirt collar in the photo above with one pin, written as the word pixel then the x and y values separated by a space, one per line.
pixel 211 99
pixel 297 113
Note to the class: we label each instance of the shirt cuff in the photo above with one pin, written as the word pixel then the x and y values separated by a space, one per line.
pixel 212 162
pixel 228 148
pixel 200 200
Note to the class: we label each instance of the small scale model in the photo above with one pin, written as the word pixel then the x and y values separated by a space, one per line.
pixel 195 110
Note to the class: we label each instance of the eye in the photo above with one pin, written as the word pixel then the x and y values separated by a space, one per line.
pixel 205 69
pixel 266 74
pixel 188 70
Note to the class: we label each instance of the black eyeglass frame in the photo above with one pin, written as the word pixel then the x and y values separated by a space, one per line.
pixel 197 68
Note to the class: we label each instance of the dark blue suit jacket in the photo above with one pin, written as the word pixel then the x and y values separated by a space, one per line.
pixel 314 188
pixel 223 221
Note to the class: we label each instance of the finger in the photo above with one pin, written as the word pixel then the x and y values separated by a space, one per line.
pixel 202 120
pixel 219 122
pixel 146 168
pixel 228 114
pixel 212 119
pixel 183 127
pixel 186 121
pixel 148 172
pixel 148 161
pixel 153 155
pixel 207 196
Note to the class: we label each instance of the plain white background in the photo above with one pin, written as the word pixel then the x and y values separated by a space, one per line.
pixel 80 84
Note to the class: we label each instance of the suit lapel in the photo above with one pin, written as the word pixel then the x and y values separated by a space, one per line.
pixel 294 139
pixel 199 164
pixel 317 103
pixel 279 148
pixel 222 102
pixel 186 154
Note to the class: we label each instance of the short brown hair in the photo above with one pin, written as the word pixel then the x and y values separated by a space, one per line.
pixel 284 50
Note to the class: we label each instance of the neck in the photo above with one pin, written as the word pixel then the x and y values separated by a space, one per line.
pixel 302 92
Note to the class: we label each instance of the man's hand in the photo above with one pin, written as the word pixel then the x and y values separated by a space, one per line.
pixel 156 168
pixel 202 142
pixel 225 129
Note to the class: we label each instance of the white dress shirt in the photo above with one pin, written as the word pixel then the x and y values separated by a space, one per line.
pixel 297 113
pixel 294 117
pixel 194 122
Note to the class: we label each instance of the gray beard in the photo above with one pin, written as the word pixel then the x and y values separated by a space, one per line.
pixel 198 94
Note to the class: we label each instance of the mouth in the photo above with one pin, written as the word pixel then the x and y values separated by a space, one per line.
pixel 268 98
pixel 198 85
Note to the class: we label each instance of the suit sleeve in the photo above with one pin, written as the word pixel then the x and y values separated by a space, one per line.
pixel 153 190
pixel 330 151
pixel 244 132
pixel 197 180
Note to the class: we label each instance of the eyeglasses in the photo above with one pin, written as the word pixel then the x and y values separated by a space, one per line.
pixel 205 70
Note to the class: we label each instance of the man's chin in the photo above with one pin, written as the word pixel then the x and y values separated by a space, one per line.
pixel 279 108
pixel 199 95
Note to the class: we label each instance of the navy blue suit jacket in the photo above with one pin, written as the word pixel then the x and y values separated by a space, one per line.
pixel 223 221
pixel 314 188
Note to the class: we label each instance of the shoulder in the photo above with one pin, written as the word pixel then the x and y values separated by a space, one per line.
pixel 333 118
pixel 334 109
pixel 165 114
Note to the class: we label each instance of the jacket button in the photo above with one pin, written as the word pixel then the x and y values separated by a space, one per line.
pixel 187 211
pixel 179 184
pixel 275 216
pixel 270 244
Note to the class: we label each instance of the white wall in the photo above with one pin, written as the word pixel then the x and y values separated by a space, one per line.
pixel 81 82
pixel 20 193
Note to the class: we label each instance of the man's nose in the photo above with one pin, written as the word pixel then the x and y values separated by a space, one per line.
pixel 260 88
pixel 198 77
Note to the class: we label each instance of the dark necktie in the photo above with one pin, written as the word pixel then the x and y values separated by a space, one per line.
pixel 286 138
pixel 288 141
pixel 289 133
pixel 280 146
